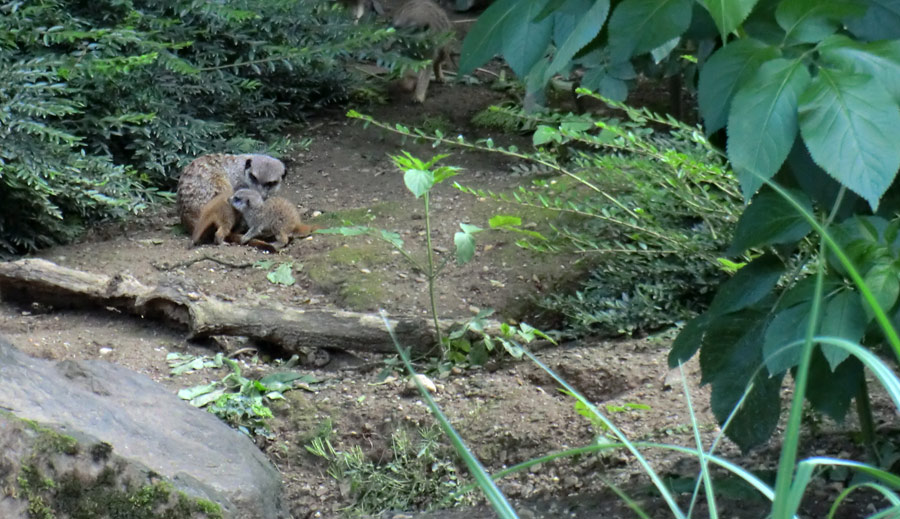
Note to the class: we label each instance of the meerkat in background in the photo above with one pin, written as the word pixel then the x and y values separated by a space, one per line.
pixel 211 175
pixel 357 8
pixel 273 217
pixel 427 15
pixel 217 215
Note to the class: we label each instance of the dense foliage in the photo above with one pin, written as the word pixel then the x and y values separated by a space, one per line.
pixel 99 99
pixel 808 94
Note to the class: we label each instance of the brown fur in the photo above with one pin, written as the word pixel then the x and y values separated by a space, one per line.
pixel 274 217
pixel 210 175
pixel 218 215
pixel 357 8
pixel 427 15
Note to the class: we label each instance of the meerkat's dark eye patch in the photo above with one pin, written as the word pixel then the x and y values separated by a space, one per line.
pixel 248 164
pixel 271 184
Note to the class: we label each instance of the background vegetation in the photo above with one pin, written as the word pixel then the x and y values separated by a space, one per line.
pixel 102 103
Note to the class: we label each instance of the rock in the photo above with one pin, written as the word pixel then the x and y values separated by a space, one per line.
pixel 110 428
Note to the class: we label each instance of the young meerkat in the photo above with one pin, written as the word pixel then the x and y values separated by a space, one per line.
pixel 427 15
pixel 273 217
pixel 217 215
pixel 211 175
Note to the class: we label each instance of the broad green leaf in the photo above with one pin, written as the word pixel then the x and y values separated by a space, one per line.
pixel 848 122
pixel 469 228
pixel 662 52
pixel 769 220
pixel 882 279
pixel 762 124
pixel 730 356
pixel 810 21
pixel 689 340
pixel 881 21
pixel 504 220
pixel 787 326
pixel 844 316
pixel 485 38
pixel 600 80
pixel 282 275
pixel 567 14
pixel 207 398
pixel 524 40
pixel 392 237
pixel 830 390
pixel 724 72
pixel 748 286
pixel 465 247
pixel 587 28
pixel 639 26
pixel 190 393
pixel 728 14
pixel 418 181
pixel 880 59
pixel 544 134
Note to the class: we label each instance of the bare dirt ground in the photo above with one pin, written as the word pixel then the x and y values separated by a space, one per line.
pixel 509 410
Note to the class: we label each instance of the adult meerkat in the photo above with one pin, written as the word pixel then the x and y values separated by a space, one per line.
pixel 217 215
pixel 427 15
pixel 273 217
pixel 210 175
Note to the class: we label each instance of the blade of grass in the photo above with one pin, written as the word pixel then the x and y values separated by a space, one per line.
pixel 887 494
pixel 704 464
pixel 493 494
pixel 654 477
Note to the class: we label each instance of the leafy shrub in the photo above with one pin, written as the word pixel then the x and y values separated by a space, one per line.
pixel 105 100
pixel 653 209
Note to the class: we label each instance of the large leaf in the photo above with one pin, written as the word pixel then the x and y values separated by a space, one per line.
pixel 881 21
pixel 880 59
pixel 830 390
pixel 689 339
pixel 726 70
pixel 728 14
pixel 525 40
pixel 770 220
pixel 762 124
pixel 845 317
pixel 639 26
pixel 730 356
pixel 584 31
pixel 748 286
pixel 810 21
pixel 418 181
pixel 882 279
pixel 485 38
pixel 788 326
pixel 848 122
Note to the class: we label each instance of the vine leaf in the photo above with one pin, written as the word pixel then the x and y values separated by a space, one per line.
pixel 770 220
pixel 728 14
pixel 639 26
pixel 587 28
pixel 726 70
pixel 848 123
pixel 762 124
pixel 485 38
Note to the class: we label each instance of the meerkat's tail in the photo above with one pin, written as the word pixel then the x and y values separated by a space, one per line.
pixel 264 246
pixel 303 230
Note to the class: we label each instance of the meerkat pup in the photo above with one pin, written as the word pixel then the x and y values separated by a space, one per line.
pixel 210 175
pixel 273 217
pixel 217 215
pixel 427 15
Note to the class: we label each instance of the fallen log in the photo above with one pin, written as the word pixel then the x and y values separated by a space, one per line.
pixel 295 330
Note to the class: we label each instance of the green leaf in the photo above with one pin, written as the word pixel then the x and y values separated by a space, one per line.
pixel 469 228
pixel 418 181
pixel 748 286
pixel 586 30
pixel 282 275
pixel 881 21
pixel 689 340
pixel 762 124
pixel 848 122
pixel 844 316
pixel 831 390
pixel 810 21
pixel 193 392
pixel 485 38
pixel 882 279
pixel 544 134
pixel 465 247
pixel 725 71
pixel 770 220
pixel 639 26
pixel 728 14
pixel 786 327
pixel 880 59
pixel 444 172
pixel 524 40
pixel 504 220
pixel 392 237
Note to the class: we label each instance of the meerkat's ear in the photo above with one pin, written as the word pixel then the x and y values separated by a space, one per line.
pixel 248 164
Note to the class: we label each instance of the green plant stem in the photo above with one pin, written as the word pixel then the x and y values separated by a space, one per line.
pixel 866 422
pixel 432 275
